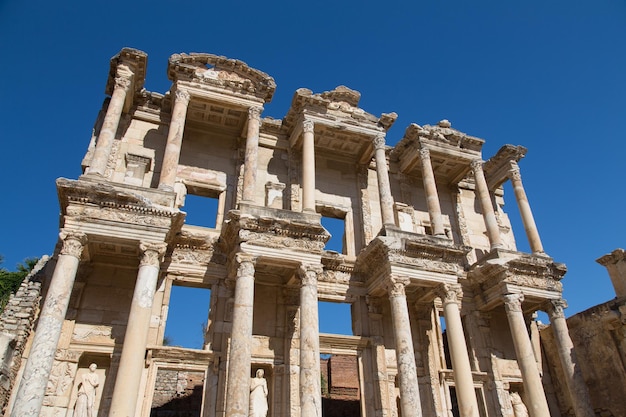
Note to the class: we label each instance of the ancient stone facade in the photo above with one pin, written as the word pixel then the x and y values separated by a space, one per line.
pixel 441 300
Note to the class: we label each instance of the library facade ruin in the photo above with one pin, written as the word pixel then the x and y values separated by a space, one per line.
pixel 441 301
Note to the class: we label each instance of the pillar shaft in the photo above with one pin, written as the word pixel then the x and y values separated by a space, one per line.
pixel 310 389
pixel 32 388
pixel 308 167
pixel 132 360
pixel 239 357
pixel 109 126
pixel 169 167
pixel 252 153
pixel 405 355
pixel 524 209
pixel 574 381
pixel 537 403
pixel 432 197
pixel 463 379
pixel 493 230
pixel 382 174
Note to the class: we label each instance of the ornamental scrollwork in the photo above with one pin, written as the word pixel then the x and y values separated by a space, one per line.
pixel 477 165
pixel 123 83
pixel 424 153
pixel 556 308
pixel 396 287
pixel 254 113
pixel 513 302
pixel 151 253
pixel 73 243
pixel 379 141
pixel 308 274
pixel 514 172
pixel 307 126
pixel 246 265
pixel 450 293
pixel 182 96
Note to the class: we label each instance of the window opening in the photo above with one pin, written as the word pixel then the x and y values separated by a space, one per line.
pixel 335 318
pixel 337 229
pixel 340 385
pixel 446 347
pixel 201 210
pixel 187 317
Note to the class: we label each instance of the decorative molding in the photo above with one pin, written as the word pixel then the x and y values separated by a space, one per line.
pixel 254 113
pixel 308 274
pixel 307 126
pixel 182 96
pixel 379 141
pixel 396 287
pixel 152 253
pixel 246 264
pixel 513 302
pixel 450 293
pixel 73 243
pixel 123 83
pixel 555 308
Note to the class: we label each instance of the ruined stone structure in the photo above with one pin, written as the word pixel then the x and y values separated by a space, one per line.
pixel 441 300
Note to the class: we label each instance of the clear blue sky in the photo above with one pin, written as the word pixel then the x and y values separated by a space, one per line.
pixel 550 76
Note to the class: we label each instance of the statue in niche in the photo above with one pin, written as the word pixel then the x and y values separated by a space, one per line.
pixel 87 393
pixel 519 408
pixel 258 395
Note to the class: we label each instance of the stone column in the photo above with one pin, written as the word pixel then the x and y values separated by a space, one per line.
pixel 573 376
pixel 308 167
pixel 384 189
pixel 524 209
pixel 32 388
pixel 450 295
pixel 132 359
pixel 405 354
pixel 310 389
pixel 537 403
pixel 110 124
pixel 432 197
pixel 239 356
pixel 174 142
pixel 493 230
pixel 252 153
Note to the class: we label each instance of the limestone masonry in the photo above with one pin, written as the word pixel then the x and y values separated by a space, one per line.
pixel 441 301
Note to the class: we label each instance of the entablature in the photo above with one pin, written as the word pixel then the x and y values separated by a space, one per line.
pixel 497 168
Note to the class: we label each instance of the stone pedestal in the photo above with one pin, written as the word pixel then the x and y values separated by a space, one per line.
pixel 130 370
pixel 310 389
pixel 239 357
pixel 174 142
pixel 405 355
pixel 252 153
pixel 32 388
pixel 382 174
pixel 537 403
pixel 308 167
pixel 450 296
pixel 524 208
pixel 109 125
pixel 573 378
pixel 482 191
pixel 432 197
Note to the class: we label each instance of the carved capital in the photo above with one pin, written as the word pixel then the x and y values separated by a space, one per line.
pixel 477 165
pixel 450 293
pixel 246 264
pixel 182 96
pixel 424 153
pixel 152 253
pixel 122 83
pixel 514 172
pixel 396 287
pixel 513 302
pixel 555 308
pixel 254 113
pixel 73 243
pixel 308 274
pixel 307 126
pixel 379 141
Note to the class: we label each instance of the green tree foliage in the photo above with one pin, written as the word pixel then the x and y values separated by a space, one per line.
pixel 10 280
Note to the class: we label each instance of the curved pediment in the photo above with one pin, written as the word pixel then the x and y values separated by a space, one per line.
pixel 219 71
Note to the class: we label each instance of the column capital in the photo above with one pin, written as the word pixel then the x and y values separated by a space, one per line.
pixel 379 141
pixel 555 308
pixel 122 82
pixel 307 126
pixel 424 153
pixel 477 165
pixel 254 112
pixel 308 273
pixel 514 171
pixel 246 262
pixel 182 95
pixel 513 302
pixel 73 243
pixel 151 253
pixel 396 287
pixel 450 293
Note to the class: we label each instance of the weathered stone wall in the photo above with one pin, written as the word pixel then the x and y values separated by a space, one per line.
pixel 177 393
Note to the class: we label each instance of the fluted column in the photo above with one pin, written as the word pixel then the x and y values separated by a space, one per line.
pixel 405 354
pixel 252 153
pixel 493 230
pixel 450 295
pixel 132 362
pixel 110 124
pixel 310 390
pixel 384 189
pixel 174 142
pixel 537 403
pixel 239 357
pixel 574 381
pixel 524 209
pixel 308 167
pixel 432 197
pixel 32 388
